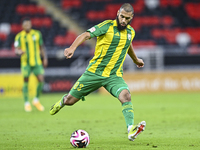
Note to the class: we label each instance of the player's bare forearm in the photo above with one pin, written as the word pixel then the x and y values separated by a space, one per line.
pixel 43 52
pixel 68 53
pixel 132 54
pixel 139 62
pixel 44 55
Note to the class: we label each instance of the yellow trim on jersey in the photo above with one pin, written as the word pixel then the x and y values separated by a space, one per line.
pixel 115 56
pixel 30 44
pixel 101 49
pixel 103 23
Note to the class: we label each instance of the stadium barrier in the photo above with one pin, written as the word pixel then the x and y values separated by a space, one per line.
pixel 11 85
pixel 181 81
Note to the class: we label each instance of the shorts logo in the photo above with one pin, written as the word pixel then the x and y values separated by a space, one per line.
pixel 129 36
pixel 92 29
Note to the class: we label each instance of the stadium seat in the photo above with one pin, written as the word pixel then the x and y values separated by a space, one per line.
pixel 15 28
pixel 3 36
pixel 59 40
pixel 173 3
pixel 21 9
pixel 66 4
pixel 47 22
pixel 194 33
pixel 143 43
pixel 31 9
pixel 167 20
pixel 193 10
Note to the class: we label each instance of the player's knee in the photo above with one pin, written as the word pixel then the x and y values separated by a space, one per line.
pixel 125 96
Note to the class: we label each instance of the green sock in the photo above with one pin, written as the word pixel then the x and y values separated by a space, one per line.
pixel 39 89
pixel 127 110
pixel 25 91
pixel 62 103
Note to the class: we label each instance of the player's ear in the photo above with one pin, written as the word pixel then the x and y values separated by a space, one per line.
pixel 117 12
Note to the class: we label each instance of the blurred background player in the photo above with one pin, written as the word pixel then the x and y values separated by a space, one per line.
pixel 114 39
pixel 29 45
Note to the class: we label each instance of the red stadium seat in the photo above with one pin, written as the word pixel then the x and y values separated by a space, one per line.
pixel 31 9
pixel 15 28
pixel 143 43
pixel 21 9
pixel 46 22
pixel 156 33
pixel 40 10
pixel 112 8
pixel 170 34
pixel 193 10
pixel 138 6
pixel 91 15
pixel 174 3
pixel 167 20
pixel 66 4
pixel 3 36
pixel 194 33
pixel 36 22
pixel 70 37
pixel 59 40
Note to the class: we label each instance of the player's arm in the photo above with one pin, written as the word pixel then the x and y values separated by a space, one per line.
pixel 18 51
pixel 139 62
pixel 68 52
pixel 44 55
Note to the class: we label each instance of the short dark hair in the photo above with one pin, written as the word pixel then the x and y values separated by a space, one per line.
pixel 26 19
pixel 127 7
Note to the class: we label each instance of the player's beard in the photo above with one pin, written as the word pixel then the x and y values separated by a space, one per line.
pixel 119 26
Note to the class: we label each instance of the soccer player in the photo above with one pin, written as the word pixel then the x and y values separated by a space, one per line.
pixel 114 41
pixel 29 45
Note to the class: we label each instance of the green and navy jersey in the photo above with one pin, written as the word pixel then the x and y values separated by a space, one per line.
pixel 111 48
pixel 30 43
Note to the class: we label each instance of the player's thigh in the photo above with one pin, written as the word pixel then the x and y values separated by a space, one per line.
pixel 114 85
pixel 38 70
pixel 86 84
pixel 25 70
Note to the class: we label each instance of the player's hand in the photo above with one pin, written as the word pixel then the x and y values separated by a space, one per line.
pixel 19 52
pixel 68 52
pixel 139 62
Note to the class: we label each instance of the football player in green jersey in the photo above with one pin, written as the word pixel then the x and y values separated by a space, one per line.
pixel 114 41
pixel 29 45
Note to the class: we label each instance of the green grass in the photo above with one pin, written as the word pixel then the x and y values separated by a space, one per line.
pixel 173 123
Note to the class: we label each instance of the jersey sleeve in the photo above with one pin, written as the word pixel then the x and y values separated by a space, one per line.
pixel 99 29
pixel 40 38
pixel 17 42
pixel 132 32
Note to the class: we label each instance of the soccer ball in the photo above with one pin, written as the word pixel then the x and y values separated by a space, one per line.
pixel 80 139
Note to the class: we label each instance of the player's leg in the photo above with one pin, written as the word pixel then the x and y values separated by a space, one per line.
pixel 127 110
pixel 25 73
pixel 119 89
pixel 127 107
pixel 86 84
pixel 67 99
pixel 38 72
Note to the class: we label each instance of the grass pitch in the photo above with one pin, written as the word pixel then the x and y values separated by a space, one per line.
pixel 173 122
